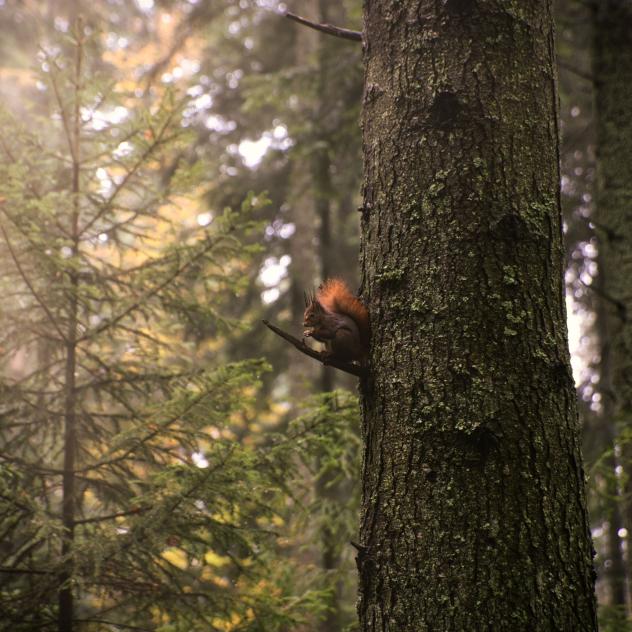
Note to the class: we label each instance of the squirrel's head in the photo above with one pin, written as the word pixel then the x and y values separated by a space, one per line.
pixel 313 314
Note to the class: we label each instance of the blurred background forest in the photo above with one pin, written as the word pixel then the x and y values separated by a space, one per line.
pixel 171 173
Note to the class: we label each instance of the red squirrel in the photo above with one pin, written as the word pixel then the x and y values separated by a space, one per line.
pixel 339 319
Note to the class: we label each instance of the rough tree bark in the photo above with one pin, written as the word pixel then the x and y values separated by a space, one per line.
pixel 613 75
pixel 474 515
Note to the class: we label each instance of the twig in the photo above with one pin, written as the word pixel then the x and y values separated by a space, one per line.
pixel 347 367
pixel 354 36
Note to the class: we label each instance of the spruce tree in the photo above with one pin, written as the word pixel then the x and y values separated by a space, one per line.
pixel 129 496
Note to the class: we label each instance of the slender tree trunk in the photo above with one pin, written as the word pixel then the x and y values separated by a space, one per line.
pixel 614 571
pixel 66 605
pixel 304 374
pixel 474 515
pixel 322 190
pixel 613 74
pixel 321 173
pixel 322 202
pixel 310 204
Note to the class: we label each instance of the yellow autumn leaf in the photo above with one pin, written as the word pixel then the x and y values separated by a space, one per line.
pixel 177 557
pixel 207 574
pixel 222 582
pixel 158 616
pixel 214 559
pixel 226 624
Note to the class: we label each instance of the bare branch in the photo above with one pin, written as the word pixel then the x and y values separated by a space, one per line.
pixel 354 36
pixel 622 310
pixel 178 43
pixel 112 516
pixel 323 357
pixel 24 571
pixel 115 624
pixel 578 72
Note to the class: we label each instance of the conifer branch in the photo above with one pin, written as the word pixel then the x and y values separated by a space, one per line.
pixel 34 191
pixel 30 286
pixel 108 371
pixel 321 356
pixel 149 294
pixel 108 204
pixel 140 441
pixel 330 29
pixel 31 467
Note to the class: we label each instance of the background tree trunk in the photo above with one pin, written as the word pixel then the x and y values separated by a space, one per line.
pixel 304 268
pixel 613 74
pixel 613 566
pixel 474 515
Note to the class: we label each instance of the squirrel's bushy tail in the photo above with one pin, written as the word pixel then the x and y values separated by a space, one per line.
pixel 335 296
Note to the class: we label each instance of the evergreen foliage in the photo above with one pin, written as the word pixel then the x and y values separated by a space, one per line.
pixel 133 490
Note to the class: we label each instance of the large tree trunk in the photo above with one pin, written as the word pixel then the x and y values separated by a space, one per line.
pixel 474 514
pixel 613 73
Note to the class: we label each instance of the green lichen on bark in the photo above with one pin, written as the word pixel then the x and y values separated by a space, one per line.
pixel 474 515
